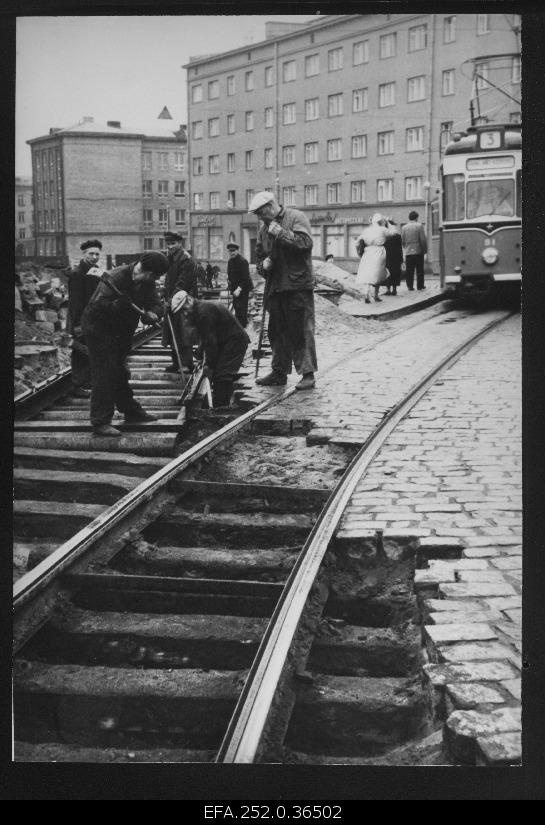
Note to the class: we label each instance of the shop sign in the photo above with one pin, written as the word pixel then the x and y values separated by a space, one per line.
pixel 207 220
pixel 336 218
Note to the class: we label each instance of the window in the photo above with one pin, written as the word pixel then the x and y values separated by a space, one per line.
pixel 147 215
pixel 334 192
pixel 197 200
pixel 196 94
pixel 447 82
pixel 288 113
pixel 179 188
pixel 179 161
pixel 481 74
pixel 213 127
pixel 312 65
pixel 20 217
pixel 20 200
pixel 386 94
pixel 413 188
pixel 22 234
pixel 357 191
pixel 179 217
pixel 514 117
pixel 289 71
pixel 418 38
pixel 445 134
pixel 312 108
pixel 335 105
pixel 231 86
pixel 515 70
pixel 311 195
pixel 483 23
pixel 197 166
pixel 490 197
pixel 230 124
pixel 213 89
pixel 385 144
pixel 231 198
pixel 249 81
pixel 414 139
pixel 146 160
pixel 359 146
pixel 269 117
pixel 288 156
pixel 311 152
pixel 196 129
pixel 269 76
pixel 385 188
pixel 230 161
pixel 387 45
pixel 335 59
pixel 200 237
pixel 163 218
pixel 249 121
pixel 146 189
pixel 162 188
pixel 268 158
pixel 214 200
pixel 163 160
pixel 148 243
pixel 449 29
pixel 249 160
pixel 215 238
pixel 360 52
pixel 288 195
pixel 416 88
pixel 360 100
pixel 213 164
pixel 334 149
pixel 249 195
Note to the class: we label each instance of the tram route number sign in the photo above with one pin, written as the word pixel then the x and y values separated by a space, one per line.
pixel 491 139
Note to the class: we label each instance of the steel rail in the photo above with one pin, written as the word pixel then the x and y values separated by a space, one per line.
pixel 245 730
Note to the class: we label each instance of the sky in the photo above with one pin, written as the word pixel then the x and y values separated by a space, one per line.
pixel 114 68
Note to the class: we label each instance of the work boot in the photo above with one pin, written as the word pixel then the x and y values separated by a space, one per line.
pixel 80 392
pixel 273 379
pixel 307 382
pixel 106 430
pixel 138 416
pixel 222 392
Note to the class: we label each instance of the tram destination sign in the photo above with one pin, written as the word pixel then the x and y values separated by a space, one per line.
pixel 498 162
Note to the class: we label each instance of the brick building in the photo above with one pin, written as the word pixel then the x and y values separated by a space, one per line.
pixel 24 217
pixel 124 186
pixel 342 117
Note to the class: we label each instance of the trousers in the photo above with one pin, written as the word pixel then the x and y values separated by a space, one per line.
pixel 412 263
pixel 291 331
pixel 110 379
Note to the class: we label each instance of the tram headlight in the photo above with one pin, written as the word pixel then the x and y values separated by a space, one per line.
pixel 490 255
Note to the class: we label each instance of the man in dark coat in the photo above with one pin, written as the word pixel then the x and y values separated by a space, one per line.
pixel 181 275
pixel 239 282
pixel 284 258
pixel 394 257
pixel 222 340
pixel 81 285
pixel 109 322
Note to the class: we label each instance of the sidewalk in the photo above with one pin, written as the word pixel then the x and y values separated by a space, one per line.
pixel 393 306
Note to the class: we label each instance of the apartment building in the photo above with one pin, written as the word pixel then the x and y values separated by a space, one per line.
pixel 124 186
pixel 24 217
pixel 342 117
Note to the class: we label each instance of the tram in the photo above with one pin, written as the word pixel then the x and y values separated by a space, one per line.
pixel 480 233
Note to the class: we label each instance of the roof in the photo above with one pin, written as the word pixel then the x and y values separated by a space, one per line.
pixel 467 142
pixel 87 126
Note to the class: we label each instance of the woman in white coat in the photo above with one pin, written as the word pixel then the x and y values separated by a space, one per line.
pixel 372 270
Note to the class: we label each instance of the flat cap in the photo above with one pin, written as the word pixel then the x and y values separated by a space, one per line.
pixel 178 300
pixel 260 200
pixel 172 236
pixel 154 262
pixel 90 245
pixel 233 245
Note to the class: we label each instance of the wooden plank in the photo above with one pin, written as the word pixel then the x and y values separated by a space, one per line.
pixel 172 584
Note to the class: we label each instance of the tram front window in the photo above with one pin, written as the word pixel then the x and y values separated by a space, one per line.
pixel 454 198
pixel 494 197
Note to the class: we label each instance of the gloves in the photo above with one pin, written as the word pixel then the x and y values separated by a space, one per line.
pixel 149 317
pixel 267 264
pixel 274 228
pixel 237 291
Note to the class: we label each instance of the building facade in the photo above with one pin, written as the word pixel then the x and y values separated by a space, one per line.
pixel 24 217
pixel 123 186
pixel 342 118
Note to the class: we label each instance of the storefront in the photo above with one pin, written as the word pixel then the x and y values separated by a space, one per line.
pixel 210 235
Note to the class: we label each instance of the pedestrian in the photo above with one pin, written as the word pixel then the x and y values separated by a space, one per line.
pixel 370 246
pixel 109 322
pixel 209 276
pixel 222 340
pixel 239 282
pixel 284 258
pixel 415 246
pixel 330 259
pixel 181 274
pixel 394 257
pixel 82 282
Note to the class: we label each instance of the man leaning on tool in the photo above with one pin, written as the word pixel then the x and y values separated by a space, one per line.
pixel 239 281
pixel 109 322
pixel 181 274
pixel 82 282
pixel 284 258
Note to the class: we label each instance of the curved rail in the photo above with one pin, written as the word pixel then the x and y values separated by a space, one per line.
pixel 247 725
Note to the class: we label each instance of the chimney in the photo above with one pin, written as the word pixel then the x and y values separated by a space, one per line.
pixel 55 129
pixel 115 124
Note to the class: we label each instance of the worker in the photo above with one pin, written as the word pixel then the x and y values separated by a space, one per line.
pixel 239 282
pixel 109 322
pixel 181 275
pixel 82 282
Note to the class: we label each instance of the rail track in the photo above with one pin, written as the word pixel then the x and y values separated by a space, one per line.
pixel 206 615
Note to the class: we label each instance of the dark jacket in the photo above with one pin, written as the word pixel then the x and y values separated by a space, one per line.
pixel 181 274
pixel 290 251
pixel 81 287
pixel 109 316
pixel 238 275
pixel 215 326
pixel 394 253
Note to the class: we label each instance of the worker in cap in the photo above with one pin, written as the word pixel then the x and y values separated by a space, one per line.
pixel 181 274
pixel 284 259
pixel 239 282
pixel 222 341
pixel 82 282
pixel 124 296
